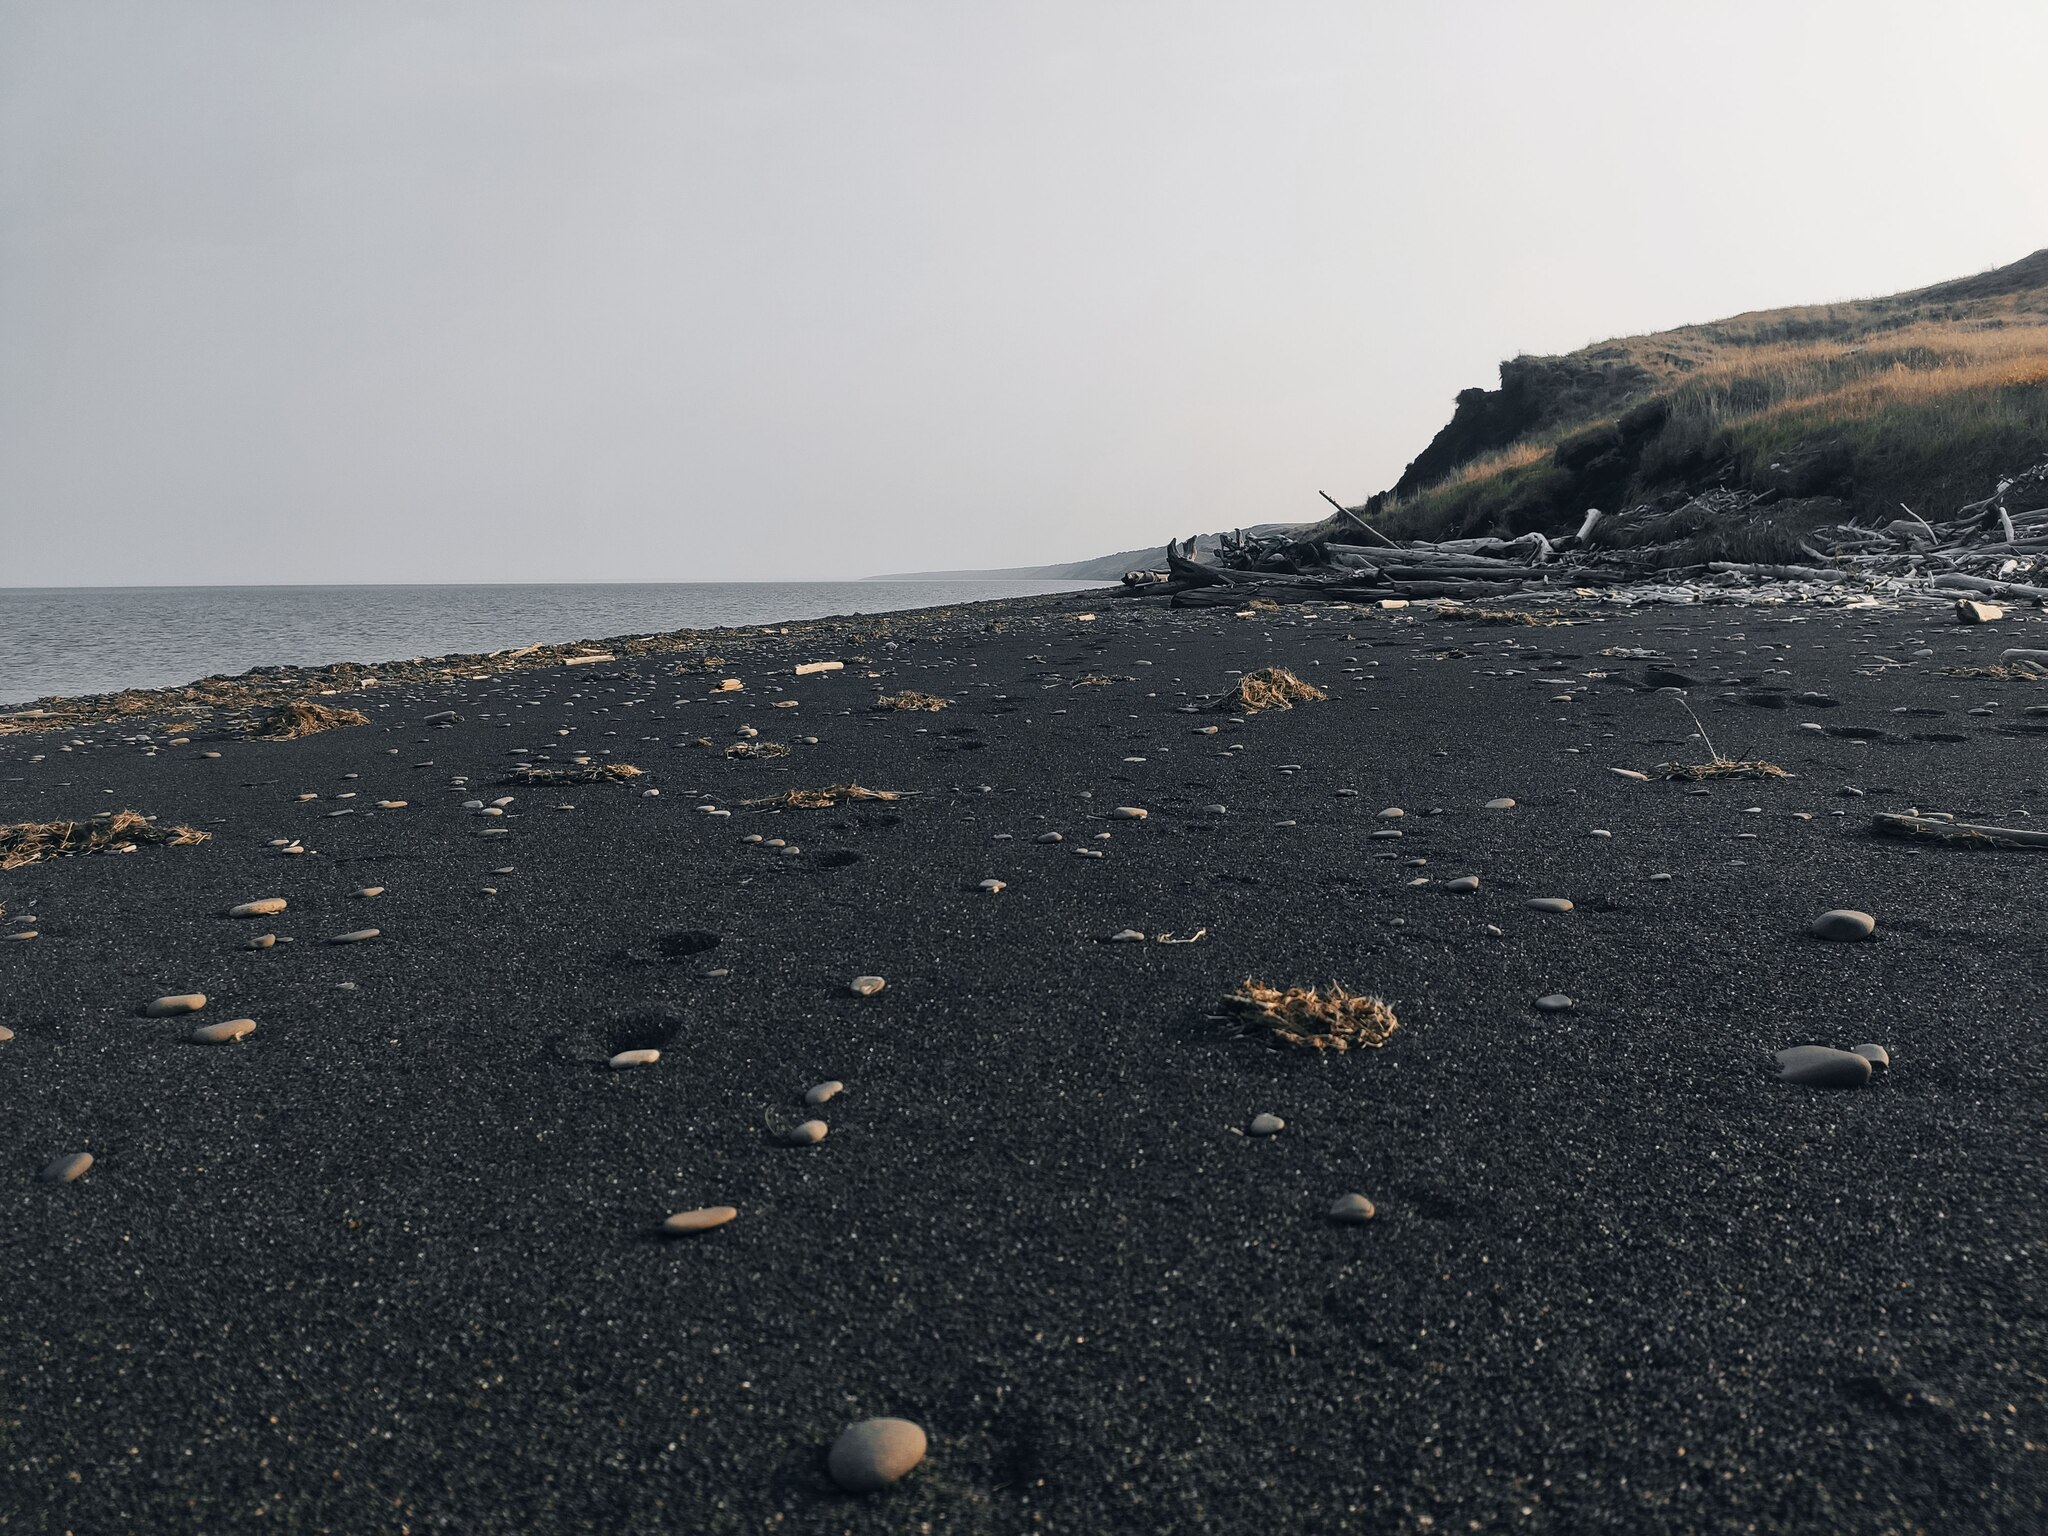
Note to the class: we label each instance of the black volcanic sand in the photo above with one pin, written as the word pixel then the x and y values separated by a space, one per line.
pixel 390 1264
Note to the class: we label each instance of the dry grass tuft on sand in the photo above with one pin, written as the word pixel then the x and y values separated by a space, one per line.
pixel 28 842
pixel 757 749
pixel 571 773
pixel 1268 688
pixel 820 799
pixel 912 700
pixel 299 718
pixel 1324 1019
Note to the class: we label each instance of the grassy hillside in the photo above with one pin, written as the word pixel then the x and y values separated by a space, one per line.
pixel 1831 410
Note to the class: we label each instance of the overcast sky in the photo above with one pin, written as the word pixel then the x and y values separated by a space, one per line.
pixel 597 290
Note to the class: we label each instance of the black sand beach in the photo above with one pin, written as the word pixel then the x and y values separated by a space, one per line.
pixel 392 1263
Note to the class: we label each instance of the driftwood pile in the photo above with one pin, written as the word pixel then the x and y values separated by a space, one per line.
pixel 1997 547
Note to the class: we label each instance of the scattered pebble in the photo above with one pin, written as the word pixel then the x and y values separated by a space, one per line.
pixel 1392 813
pixel 267 906
pixel 1555 1002
pixel 1129 813
pixel 1820 1066
pixel 639 1058
pixel 1548 904
pixel 262 941
pixel 1463 885
pixel 1127 936
pixel 224 1033
pixel 176 1003
pixel 1630 773
pixel 874 1453
pixel 67 1168
pixel 6 1034
pixel 992 886
pixel 369 891
pixel 867 986
pixel 823 1093
pixel 1845 924
pixel 1266 1125
pixel 809 1134
pixel 703 1219
pixel 1502 804
pixel 1049 837
pixel 1879 1058
pixel 360 936
pixel 1352 1210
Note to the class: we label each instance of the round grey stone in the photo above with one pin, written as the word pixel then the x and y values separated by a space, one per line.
pixel 1845 924
pixel 1266 1125
pixel 874 1453
pixel 1879 1058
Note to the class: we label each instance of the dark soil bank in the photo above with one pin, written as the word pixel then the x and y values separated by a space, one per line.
pixel 390 1264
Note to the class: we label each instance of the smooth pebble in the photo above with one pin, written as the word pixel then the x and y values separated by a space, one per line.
pixel 225 1032
pixel 267 906
pixel 823 1093
pixel 703 1219
pixel 639 1058
pixel 71 1166
pixel 1843 923
pixel 867 986
pixel 1820 1066
pixel 1548 904
pixel 1266 1125
pixel 874 1453
pixel 1352 1210
pixel 176 1003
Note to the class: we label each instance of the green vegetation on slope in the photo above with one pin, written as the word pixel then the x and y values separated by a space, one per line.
pixel 1833 410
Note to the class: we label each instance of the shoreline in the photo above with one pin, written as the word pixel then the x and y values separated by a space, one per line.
pixel 72 638
pixel 397 1255
pixel 272 684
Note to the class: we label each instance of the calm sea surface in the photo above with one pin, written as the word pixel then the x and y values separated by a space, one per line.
pixel 78 640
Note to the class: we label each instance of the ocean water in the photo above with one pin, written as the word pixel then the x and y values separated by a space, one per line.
pixel 80 640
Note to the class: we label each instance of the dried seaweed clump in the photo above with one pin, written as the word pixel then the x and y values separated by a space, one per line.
pixel 1092 680
pixel 299 718
pixel 910 699
pixel 1723 768
pixel 1498 616
pixel 1268 688
pixel 1327 1019
pixel 757 749
pixel 572 773
pixel 2031 672
pixel 819 799
pixel 26 842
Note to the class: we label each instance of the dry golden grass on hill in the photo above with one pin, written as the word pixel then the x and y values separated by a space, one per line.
pixel 1925 397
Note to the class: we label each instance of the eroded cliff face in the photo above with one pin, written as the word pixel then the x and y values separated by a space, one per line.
pixel 1535 394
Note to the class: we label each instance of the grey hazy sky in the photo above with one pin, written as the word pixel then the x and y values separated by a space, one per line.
pixel 592 290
